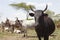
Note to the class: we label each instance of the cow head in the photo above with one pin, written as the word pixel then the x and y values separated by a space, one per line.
pixel 37 13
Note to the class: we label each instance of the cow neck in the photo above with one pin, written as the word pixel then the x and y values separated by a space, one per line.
pixel 41 21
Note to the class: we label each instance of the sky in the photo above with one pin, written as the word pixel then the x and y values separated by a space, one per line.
pixel 7 11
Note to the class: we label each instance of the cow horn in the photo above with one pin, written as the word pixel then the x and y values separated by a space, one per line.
pixel 32 9
pixel 45 8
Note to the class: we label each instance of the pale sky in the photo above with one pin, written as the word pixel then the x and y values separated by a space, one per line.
pixel 8 11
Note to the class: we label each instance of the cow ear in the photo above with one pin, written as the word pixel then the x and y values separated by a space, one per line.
pixel 45 14
pixel 31 14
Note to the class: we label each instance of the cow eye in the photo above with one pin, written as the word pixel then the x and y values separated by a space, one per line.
pixel 31 14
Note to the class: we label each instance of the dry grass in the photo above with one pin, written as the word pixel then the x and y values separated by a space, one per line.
pixel 31 36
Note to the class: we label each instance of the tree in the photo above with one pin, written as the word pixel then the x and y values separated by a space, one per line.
pixel 58 18
pixel 23 6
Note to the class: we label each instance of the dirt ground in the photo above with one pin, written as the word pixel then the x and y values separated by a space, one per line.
pixel 31 36
pixel 18 37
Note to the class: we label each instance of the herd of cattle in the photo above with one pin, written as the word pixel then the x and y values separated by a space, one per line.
pixel 17 26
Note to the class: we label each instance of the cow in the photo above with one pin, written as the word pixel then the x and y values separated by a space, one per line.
pixel 44 25
pixel 18 24
pixel 27 24
pixel 7 26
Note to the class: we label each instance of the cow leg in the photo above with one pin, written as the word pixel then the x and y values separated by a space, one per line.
pixel 39 37
pixel 38 34
pixel 25 33
pixel 12 29
pixel 2 28
pixel 46 37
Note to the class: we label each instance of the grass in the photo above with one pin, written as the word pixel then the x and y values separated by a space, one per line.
pixel 31 33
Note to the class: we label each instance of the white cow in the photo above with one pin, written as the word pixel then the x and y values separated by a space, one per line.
pixel 15 30
pixel 27 24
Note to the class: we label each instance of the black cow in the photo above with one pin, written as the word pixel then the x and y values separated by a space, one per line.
pixel 44 25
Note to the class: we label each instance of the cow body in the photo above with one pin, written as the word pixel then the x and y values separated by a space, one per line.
pixel 45 27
